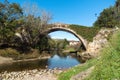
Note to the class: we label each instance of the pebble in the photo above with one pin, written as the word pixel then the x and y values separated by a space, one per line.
pixel 36 74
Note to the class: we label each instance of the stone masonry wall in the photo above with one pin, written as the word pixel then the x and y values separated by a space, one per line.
pixel 99 41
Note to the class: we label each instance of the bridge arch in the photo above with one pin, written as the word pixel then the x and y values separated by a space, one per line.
pixel 83 41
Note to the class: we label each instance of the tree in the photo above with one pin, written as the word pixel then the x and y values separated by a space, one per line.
pixel 107 18
pixel 10 15
pixel 110 17
pixel 34 24
pixel 117 5
pixel 117 11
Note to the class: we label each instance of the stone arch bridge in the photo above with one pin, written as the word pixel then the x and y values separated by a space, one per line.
pixel 64 27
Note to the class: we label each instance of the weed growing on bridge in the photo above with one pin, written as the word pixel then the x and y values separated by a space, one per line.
pixel 86 32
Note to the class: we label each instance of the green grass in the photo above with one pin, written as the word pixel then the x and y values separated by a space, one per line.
pixel 107 67
pixel 86 32
pixel 75 70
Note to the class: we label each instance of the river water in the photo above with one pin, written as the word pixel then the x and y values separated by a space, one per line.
pixel 56 61
pixel 62 62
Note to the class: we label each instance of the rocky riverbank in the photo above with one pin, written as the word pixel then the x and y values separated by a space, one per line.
pixel 36 74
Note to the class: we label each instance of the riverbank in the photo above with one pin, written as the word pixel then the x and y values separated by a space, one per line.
pixel 36 74
pixel 4 60
pixel 26 74
pixel 17 55
pixel 33 74
pixel 106 66
pixel 10 56
pixel 8 64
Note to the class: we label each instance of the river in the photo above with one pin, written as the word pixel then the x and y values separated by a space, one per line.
pixel 56 61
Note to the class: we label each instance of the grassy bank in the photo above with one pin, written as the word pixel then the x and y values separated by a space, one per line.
pixel 107 67
pixel 75 70
pixel 16 55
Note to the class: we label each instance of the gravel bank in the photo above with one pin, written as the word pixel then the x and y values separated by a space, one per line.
pixel 36 74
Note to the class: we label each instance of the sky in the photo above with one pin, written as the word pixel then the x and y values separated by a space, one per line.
pixel 80 12
pixel 63 35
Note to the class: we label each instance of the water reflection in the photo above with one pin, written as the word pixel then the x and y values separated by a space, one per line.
pixel 62 62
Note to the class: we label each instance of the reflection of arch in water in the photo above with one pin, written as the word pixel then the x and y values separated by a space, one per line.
pixel 83 41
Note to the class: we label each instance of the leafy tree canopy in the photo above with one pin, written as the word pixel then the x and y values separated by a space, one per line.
pixel 10 15
pixel 109 17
